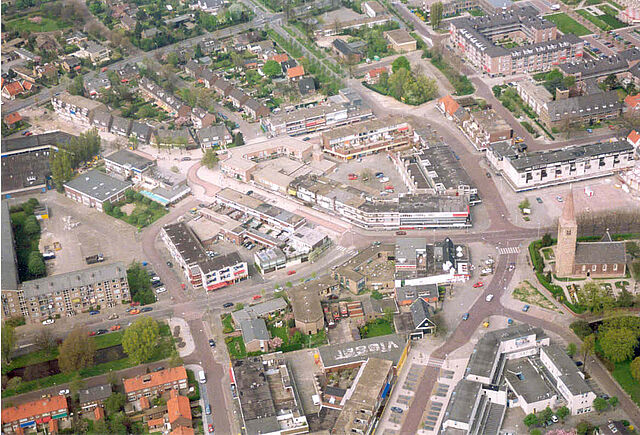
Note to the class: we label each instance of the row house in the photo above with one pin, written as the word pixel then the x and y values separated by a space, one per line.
pixel 164 99
pixel 75 108
pixel 156 383
pixel 41 414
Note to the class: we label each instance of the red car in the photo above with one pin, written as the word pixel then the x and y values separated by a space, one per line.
pixel 210 428
pixel 92 333
pixel 388 187
pixel 353 177
pixel 256 297
pixel 478 284
pixel 291 272
pixel 183 286
pixel 134 304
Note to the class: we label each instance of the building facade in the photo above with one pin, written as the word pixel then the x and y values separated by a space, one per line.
pixel 41 414
pixel 155 383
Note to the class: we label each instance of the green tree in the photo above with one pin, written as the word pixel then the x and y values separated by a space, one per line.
pixel 618 344
pixel 599 404
pixel 140 339
pixel 400 62
pixel 535 432
pixel 175 360
pixel 581 328
pixel 572 349
pixel 76 351
pixel 76 384
pixel 138 278
pixel 531 420
pixel 435 14
pixel 31 226
pixel 635 368
pixel 8 342
pixel 210 158
pixel 272 68
pixel 562 412
pixel 587 348
pixel 61 170
pixel 546 415
pixel 197 51
pixel 497 91
pixel 613 401
pixel 173 59
pixel 114 403
pixel 76 87
pixel 36 264
pixel 238 139
pixel 547 240
pixel 584 428
pixel 524 204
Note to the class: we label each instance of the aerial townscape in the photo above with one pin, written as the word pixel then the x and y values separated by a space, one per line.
pixel 282 217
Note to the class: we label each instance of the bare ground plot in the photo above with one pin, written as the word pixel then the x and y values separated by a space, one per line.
pixel 527 293
pixel 81 232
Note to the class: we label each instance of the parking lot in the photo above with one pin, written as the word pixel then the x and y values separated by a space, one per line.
pixel 81 230
pixel 369 166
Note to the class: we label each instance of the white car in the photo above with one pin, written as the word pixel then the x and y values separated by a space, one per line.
pixel 489 297
pixel 161 290
pixel 48 321
pixel 63 392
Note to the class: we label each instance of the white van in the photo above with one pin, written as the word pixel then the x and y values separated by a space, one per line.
pixel 202 378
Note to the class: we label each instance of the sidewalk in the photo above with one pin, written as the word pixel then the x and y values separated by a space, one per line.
pixel 185 335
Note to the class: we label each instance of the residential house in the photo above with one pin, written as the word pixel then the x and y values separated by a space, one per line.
pixel 632 103
pixel 295 73
pixel 71 63
pixel 76 38
pixel 178 410
pixel 149 33
pixel 350 52
pixel 102 120
pixel 306 86
pixel 237 97
pixel 27 55
pixel 75 108
pixel 121 126
pixel 201 118
pixel 97 53
pixel 128 22
pixel 255 109
pixel 373 75
pixel 174 106
pixel 255 335
pixel 400 40
pixel 214 136
pixel 36 415
pixel 47 71
pixel 10 90
pixel 208 6
pixel 373 8
pixel 155 383
pixel 12 119
pixel 93 85
pixel 93 397
pixel 222 87
pixel 141 132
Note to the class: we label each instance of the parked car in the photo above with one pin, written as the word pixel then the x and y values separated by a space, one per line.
pixel 63 392
pixel 526 308
pixel 159 369
pixel 161 289
pixel 227 305
pixel 113 316
pixel 256 297
pixel 554 418
pixel 92 333
pixel 212 342
pixel 306 138
pixel 379 174
pixel 134 311
pixel 397 409
pixel 94 312
pixel 488 174
pixel 101 331
pixel 208 409
pixel 352 177
pixel 146 309
pixel 401 233
pixel 465 316
pixel 210 428
pixel 134 304
pixel 169 264
pixel 157 284
pixel 489 297
pixel 115 327
pixel 478 284
pixel 509 321
pixel 48 322
pixel 559 198
pixel 249 192
pixel 291 272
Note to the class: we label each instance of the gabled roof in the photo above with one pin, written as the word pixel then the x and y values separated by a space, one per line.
pixel 12 118
pixel 450 105
pixel 254 329
pixel 633 101
pixel 375 72
pixel 155 379
pixel 279 57
pixel 421 313
pixel 296 71
pixel 30 409
pixel 178 406
pixel 634 138
pixel 13 88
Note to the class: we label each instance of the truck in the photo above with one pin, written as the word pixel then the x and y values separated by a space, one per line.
pixel 93 259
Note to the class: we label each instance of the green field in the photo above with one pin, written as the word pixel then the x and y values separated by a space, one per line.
pixel 604 22
pixel 566 24
pixel 622 374
pixel 46 25
pixel 377 328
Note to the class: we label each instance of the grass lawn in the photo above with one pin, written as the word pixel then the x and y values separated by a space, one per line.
pixel 617 5
pixel 622 374
pixel 566 24
pixel 46 25
pixel 236 347
pixel 476 12
pixel 377 328
pixel 592 2
pixel 548 254
pixel 227 324
pixel 144 212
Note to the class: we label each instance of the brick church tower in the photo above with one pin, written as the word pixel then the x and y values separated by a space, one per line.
pixel 567 236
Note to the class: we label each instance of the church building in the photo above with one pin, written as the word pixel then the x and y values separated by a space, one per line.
pixel 603 259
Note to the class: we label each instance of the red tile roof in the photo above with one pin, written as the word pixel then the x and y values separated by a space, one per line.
pixel 98 412
pixel 296 71
pixel 27 85
pixel 377 71
pixel 12 118
pixel 14 88
pixel 182 430
pixel 280 57
pixel 53 426
pixel 450 105
pixel 155 379
pixel 633 101
pixel 31 409
pixel 155 422
pixel 144 402
pixel 634 137
pixel 178 406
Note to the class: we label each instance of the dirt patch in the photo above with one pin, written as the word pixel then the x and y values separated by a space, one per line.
pixel 526 292
pixel 128 208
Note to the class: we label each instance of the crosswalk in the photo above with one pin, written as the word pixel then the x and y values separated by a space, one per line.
pixel 509 250
pixel 435 362
pixel 346 250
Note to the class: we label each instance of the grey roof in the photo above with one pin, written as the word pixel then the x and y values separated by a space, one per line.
pixel 306 85
pixel 461 403
pixel 141 130
pixel 121 125
pixel 78 278
pixel 306 305
pixel 102 118
pixel 570 376
pixel 346 48
pixel 526 380
pixel 96 83
pixel 599 103
pixel 421 311
pixel 97 185
pixel 93 394
pixel 9 265
pixel 213 132
pixel 130 160
pixel 254 329
pixel 37 140
pixel 600 253
pixel 259 310
pixel 388 347
pixel 485 352
pixel 595 68
pixel 414 291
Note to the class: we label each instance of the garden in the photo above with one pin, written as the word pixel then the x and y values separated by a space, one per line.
pixel 377 328
pixel 136 209
pixel 567 25
pixel 26 230
pixel 461 83
pixel 413 88
pixel 606 21
pixel 527 293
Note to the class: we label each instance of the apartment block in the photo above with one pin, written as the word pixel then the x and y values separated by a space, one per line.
pixel 155 383
pixel 68 294
pixel 42 414
pixel 75 108
pixel 485 128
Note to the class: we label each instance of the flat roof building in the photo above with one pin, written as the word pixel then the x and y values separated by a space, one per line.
pixel 94 188
pixel 352 354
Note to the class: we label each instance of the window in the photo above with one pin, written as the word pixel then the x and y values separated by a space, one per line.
pixel 594 268
pixel 604 267
pixel 615 267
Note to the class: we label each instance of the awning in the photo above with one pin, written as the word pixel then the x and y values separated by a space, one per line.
pixel 216 286
pixel 27 424
pixel 46 419
pixel 386 390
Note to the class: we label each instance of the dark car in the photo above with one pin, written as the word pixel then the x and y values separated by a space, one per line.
pixel 249 192
pixel 101 331
pixel 156 284
pixel 306 138
pixel 227 305
pixel 186 159
pixel 169 264
pixel 579 363
pixel 526 308
pixel 488 174
pixel 157 369
pixel 212 342
pixel 332 297
pixel 396 409
pixel 94 312
pixel 146 309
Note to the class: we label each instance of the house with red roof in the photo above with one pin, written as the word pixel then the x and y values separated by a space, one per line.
pixel 279 57
pixel 295 72
pixel 154 384
pixel 632 102
pixel 10 90
pixel 12 119
pixel 634 138
pixel 178 410
pixel 32 415
pixel 373 75
pixel 182 430
pixel 451 109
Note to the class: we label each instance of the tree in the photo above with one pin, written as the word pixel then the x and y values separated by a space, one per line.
pixel 138 278
pixel 114 403
pixel 618 344
pixel 562 412
pixel 599 404
pixel 584 428
pixel 175 360
pixel 45 340
pixel 531 420
pixel 572 349
pixel 547 240
pixel 635 368
pixel 36 264
pixel 77 351
pixel 546 415
pixel 535 432
pixel 580 327
pixel 524 204
pixel 197 51
pixel 77 85
pixel 435 14
pixel 140 339
pixel 400 62
pixel 613 401
pixel 497 91
pixel 272 68
pixel 76 384
pixel 588 347
pixel 31 226
pixel 238 139
pixel 13 383
pixel 8 342
pixel 210 158
pixel 61 170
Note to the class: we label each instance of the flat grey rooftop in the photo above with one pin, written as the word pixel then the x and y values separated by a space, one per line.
pixel 389 347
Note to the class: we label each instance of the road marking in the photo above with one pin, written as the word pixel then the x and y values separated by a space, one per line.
pixel 510 250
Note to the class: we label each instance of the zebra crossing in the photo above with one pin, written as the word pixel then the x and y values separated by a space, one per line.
pixel 509 250
pixel 348 251
pixel 435 362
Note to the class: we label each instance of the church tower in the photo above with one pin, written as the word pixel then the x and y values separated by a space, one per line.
pixel 567 236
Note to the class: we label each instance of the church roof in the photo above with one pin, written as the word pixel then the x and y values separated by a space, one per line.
pixel 568 212
pixel 600 253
